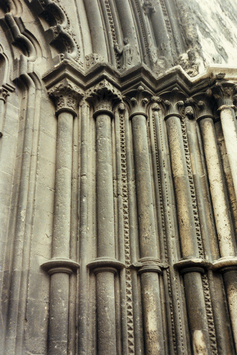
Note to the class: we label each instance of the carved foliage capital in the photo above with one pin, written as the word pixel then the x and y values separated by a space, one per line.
pixel 174 102
pixel 103 97
pixel 138 100
pixel 66 97
pixel 225 93
pixel 204 105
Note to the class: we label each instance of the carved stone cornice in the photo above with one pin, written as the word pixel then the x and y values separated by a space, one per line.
pixel 66 96
pixel 138 99
pixel 173 103
pixel 103 96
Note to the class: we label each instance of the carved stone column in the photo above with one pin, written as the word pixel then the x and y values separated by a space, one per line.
pixel 3 96
pixel 216 180
pixel 224 94
pixel 105 265
pixel 225 229
pixel 192 264
pixel 66 97
pixel 149 264
pixel 4 93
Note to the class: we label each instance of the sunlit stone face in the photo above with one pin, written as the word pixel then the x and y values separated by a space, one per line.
pixel 216 26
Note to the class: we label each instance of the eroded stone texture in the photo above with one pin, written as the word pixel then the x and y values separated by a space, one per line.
pixel 118 186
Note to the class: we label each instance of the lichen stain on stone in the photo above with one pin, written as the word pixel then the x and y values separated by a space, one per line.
pixel 199 346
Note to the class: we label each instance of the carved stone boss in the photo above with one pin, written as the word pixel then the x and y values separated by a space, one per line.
pixel 66 97
pixel 105 266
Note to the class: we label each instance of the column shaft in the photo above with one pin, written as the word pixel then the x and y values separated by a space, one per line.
pixel 210 243
pixel 216 180
pixel 106 313
pixel 152 315
pixel 187 231
pixel 105 208
pixel 228 123
pixel 196 313
pixel 225 229
pixel 62 207
pixel 2 111
pixel 106 322
pixel 58 321
pixel 59 289
pixel 148 239
pixel 230 280
pixel 189 246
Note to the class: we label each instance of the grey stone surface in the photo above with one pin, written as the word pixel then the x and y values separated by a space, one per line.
pixel 118 189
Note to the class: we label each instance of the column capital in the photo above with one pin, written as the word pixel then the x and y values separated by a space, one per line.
pixel 199 106
pixel 204 103
pixel 104 264
pixel 66 96
pixel 225 93
pixel 225 264
pixel 103 97
pixel 147 264
pixel 192 265
pixel 138 99
pixel 5 91
pixel 173 102
pixel 60 265
pixel 3 94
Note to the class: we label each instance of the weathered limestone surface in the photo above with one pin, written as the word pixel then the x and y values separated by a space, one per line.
pixel 118 187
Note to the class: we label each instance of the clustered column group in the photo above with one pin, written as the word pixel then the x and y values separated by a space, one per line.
pixel 196 256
